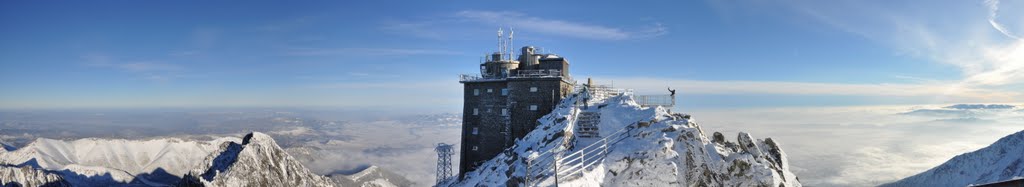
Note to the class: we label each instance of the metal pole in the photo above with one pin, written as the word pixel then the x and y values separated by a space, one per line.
pixel 556 168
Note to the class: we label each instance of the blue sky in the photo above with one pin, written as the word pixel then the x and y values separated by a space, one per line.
pixel 408 54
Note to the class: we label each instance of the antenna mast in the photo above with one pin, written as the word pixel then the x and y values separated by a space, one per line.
pixel 511 48
pixel 501 45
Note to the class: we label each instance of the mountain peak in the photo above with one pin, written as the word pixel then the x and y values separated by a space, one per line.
pixel 258 161
pixel 258 138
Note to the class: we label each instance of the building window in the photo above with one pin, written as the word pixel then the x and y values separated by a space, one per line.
pixel 504 112
pixel 476 91
pixel 476 130
pixel 490 90
pixel 533 107
pixel 533 89
pixel 476 112
pixel 504 91
pixel 475 148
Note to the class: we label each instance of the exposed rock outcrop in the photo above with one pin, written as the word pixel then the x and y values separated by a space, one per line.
pixel 257 161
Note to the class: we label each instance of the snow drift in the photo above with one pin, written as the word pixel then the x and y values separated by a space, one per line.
pixel 657 148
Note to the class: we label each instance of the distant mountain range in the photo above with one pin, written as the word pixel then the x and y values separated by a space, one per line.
pixel 255 160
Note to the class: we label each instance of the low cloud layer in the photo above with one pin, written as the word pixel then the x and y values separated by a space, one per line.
pixel 865 146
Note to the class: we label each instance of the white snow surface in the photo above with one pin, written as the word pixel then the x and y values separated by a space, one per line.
pixel 671 151
pixel 119 159
pixel 257 161
pixel 1002 160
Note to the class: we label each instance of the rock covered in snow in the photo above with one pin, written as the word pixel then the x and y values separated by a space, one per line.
pixel 28 176
pixel 658 148
pixel 257 161
pixel 1003 160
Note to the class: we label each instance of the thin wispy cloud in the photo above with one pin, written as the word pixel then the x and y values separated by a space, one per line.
pixel 988 54
pixel 434 28
pixel 368 52
pixel 150 70
pixel 418 86
pixel 560 27
pixel 993 8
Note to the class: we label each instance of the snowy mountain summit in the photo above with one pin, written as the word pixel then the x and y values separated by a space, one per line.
pixel 1003 160
pixel 633 146
pixel 257 161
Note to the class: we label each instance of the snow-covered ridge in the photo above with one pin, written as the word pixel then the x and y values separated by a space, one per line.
pixel 1003 160
pixel 659 149
pixel 118 160
pixel 257 161
pixel 371 176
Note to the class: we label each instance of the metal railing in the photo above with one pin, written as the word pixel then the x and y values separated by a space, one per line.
pixel 552 165
pixel 600 92
pixel 655 100
pixel 469 77
pixel 537 73
pixel 540 73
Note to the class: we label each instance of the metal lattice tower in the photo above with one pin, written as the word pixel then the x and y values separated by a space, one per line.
pixel 444 161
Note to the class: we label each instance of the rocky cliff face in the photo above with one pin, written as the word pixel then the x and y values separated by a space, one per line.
pixel 257 161
pixel 655 148
pixel 1003 160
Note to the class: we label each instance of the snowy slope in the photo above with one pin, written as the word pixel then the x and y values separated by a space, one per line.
pixel 372 176
pixel 671 151
pixel 257 161
pixel 28 176
pixel 90 161
pixel 1003 160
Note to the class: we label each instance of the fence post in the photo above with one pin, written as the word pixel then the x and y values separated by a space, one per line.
pixel 528 175
pixel 556 168
pixel 605 142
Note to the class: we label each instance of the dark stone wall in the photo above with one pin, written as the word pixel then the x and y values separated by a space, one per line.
pixel 489 140
pixel 549 92
pixel 489 121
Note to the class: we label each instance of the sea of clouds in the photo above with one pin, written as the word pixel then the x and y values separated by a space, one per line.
pixel 869 145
